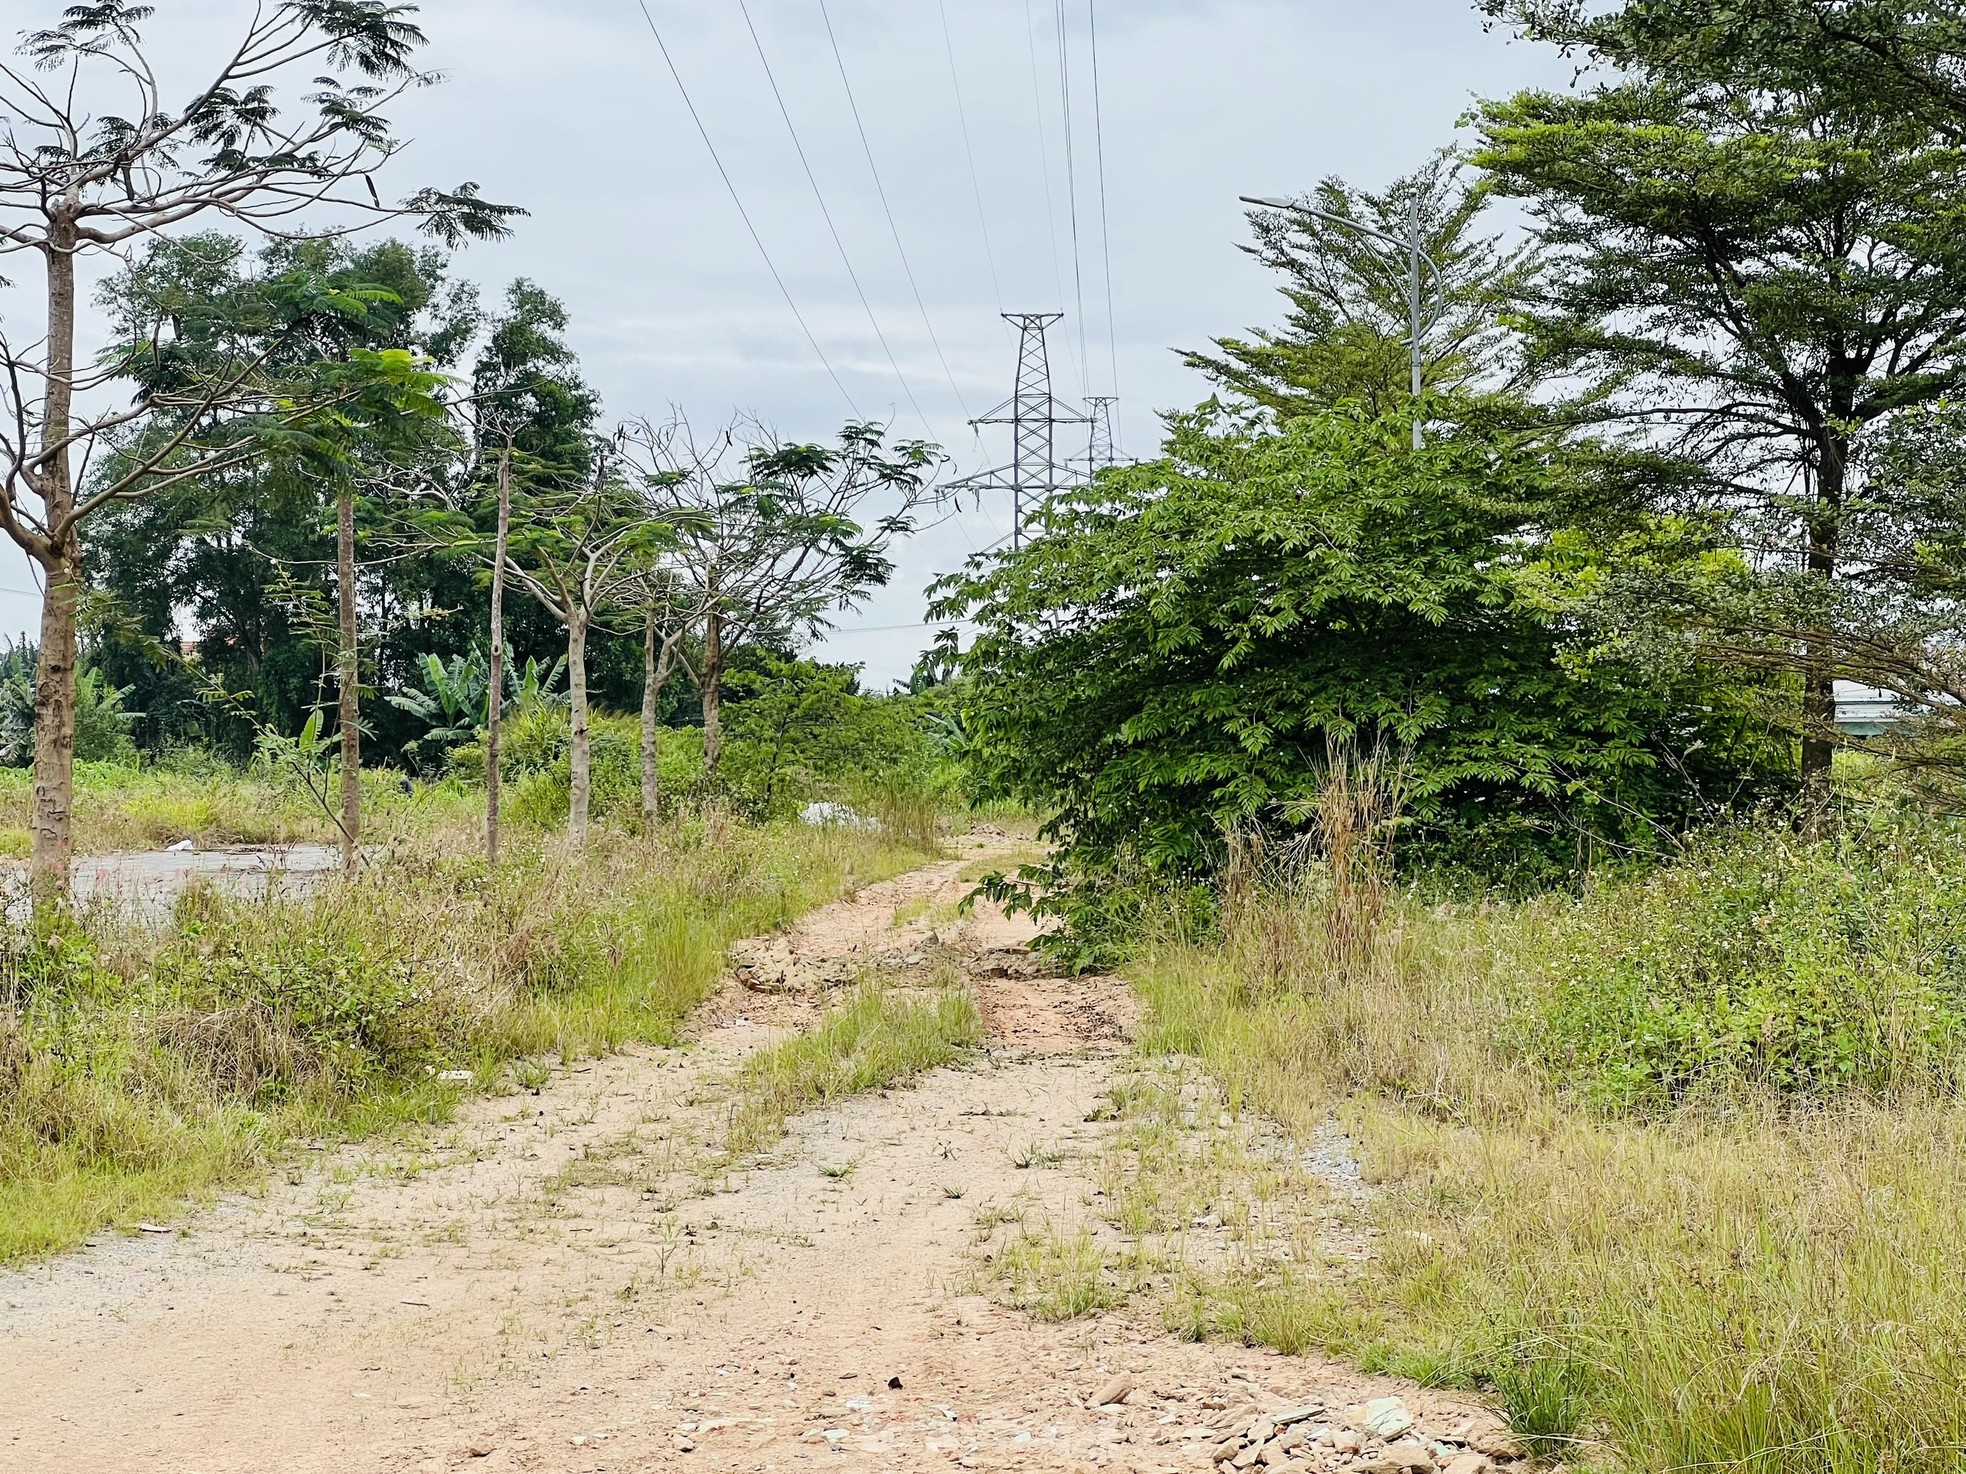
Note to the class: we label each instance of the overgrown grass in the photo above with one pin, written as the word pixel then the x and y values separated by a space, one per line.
pixel 140 1064
pixel 1660 1239
pixel 876 1036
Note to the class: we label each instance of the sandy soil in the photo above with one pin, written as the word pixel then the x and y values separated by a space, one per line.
pixel 574 1281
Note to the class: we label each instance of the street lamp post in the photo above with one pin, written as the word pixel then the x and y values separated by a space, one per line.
pixel 1417 257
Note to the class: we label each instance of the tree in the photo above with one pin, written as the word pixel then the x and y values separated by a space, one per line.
pixel 1753 273
pixel 241 555
pixel 582 556
pixel 1345 337
pixel 390 401
pixel 768 536
pixel 1901 58
pixel 1164 663
pixel 534 418
pixel 669 612
pixel 98 161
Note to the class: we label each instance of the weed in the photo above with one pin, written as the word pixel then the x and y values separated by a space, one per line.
pixel 1646 1225
pixel 141 1065
pixel 875 1037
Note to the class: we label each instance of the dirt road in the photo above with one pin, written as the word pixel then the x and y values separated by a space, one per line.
pixel 558 1281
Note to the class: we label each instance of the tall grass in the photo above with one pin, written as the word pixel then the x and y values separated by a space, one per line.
pixel 1748 1260
pixel 140 1064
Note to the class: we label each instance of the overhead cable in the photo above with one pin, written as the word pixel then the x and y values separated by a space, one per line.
pixel 975 182
pixel 1072 190
pixel 1044 148
pixel 743 213
pixel 831 228
pixel 1105 234
pixel 881 190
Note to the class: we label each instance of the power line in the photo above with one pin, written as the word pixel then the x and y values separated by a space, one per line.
pixel 745 214
pixel 1072 190
pixel 831 228
pixel 975 183
pixel 1044 148
pixel 1105 234
pixel 888 210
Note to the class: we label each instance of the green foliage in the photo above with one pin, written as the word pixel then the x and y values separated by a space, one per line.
pixel 1766 962
pixel 272 1010
pixel 1344 340
pixel 102 724
pixel 1164 663
pixel 874 1037
pixel 1755 268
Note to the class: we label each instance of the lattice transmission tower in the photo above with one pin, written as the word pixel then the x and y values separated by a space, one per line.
pixel 1035 471
pixel 1099 452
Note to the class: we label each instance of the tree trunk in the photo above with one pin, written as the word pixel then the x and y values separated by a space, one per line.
pixel 580 787
pixel 1819 644
pixel 495 698
pixel 651 690
pixel 711 684
pixel 54 678
pixel 349 672
pixel 54 738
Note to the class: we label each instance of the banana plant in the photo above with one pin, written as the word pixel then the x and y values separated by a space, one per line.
pixel 454 701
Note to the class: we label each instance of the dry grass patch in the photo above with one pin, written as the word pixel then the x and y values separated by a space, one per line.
pixel 1729 1276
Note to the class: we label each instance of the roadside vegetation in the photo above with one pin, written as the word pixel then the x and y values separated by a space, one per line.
pixel 142 1062
pixel 1670 1168
pixel 872 1037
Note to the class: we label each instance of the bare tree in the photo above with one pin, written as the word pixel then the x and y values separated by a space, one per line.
pixel 584 555
pixel 769 536
pixel 670 610
pixel 93 159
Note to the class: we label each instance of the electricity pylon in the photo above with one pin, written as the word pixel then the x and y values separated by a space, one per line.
pixel 1099 453
pixel 1034 472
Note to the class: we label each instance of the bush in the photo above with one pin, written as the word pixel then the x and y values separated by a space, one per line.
pixel 1762 960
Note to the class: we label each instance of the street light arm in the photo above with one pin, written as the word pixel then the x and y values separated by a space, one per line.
pixel 1391 240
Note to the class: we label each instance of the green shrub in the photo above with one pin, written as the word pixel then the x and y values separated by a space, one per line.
pixel 272 1012
pixel 1766 961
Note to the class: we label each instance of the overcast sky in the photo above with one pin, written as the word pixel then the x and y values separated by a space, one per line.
pixel 567 108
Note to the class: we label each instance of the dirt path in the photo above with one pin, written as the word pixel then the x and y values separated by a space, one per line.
pixel 557 1283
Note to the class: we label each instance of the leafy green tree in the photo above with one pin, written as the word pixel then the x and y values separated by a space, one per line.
pixel 774 537
pixel 248 556
pixel 1344 339
pixel 1164 664
pixel 1752 271
pixel 534 422
pixel 1899 58
pixel 102 162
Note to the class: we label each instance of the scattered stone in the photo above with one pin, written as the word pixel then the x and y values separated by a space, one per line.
pixel 479 1450
pixel 1297 1414
pixel 1494 1442
pixel 894 1384
pixel 1345 1441
pixel 1383 1417
pixel 1227 1449
pixel 1411 1456
pixel 1466 1464
pixel 1114 1391
pixel 154 1228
